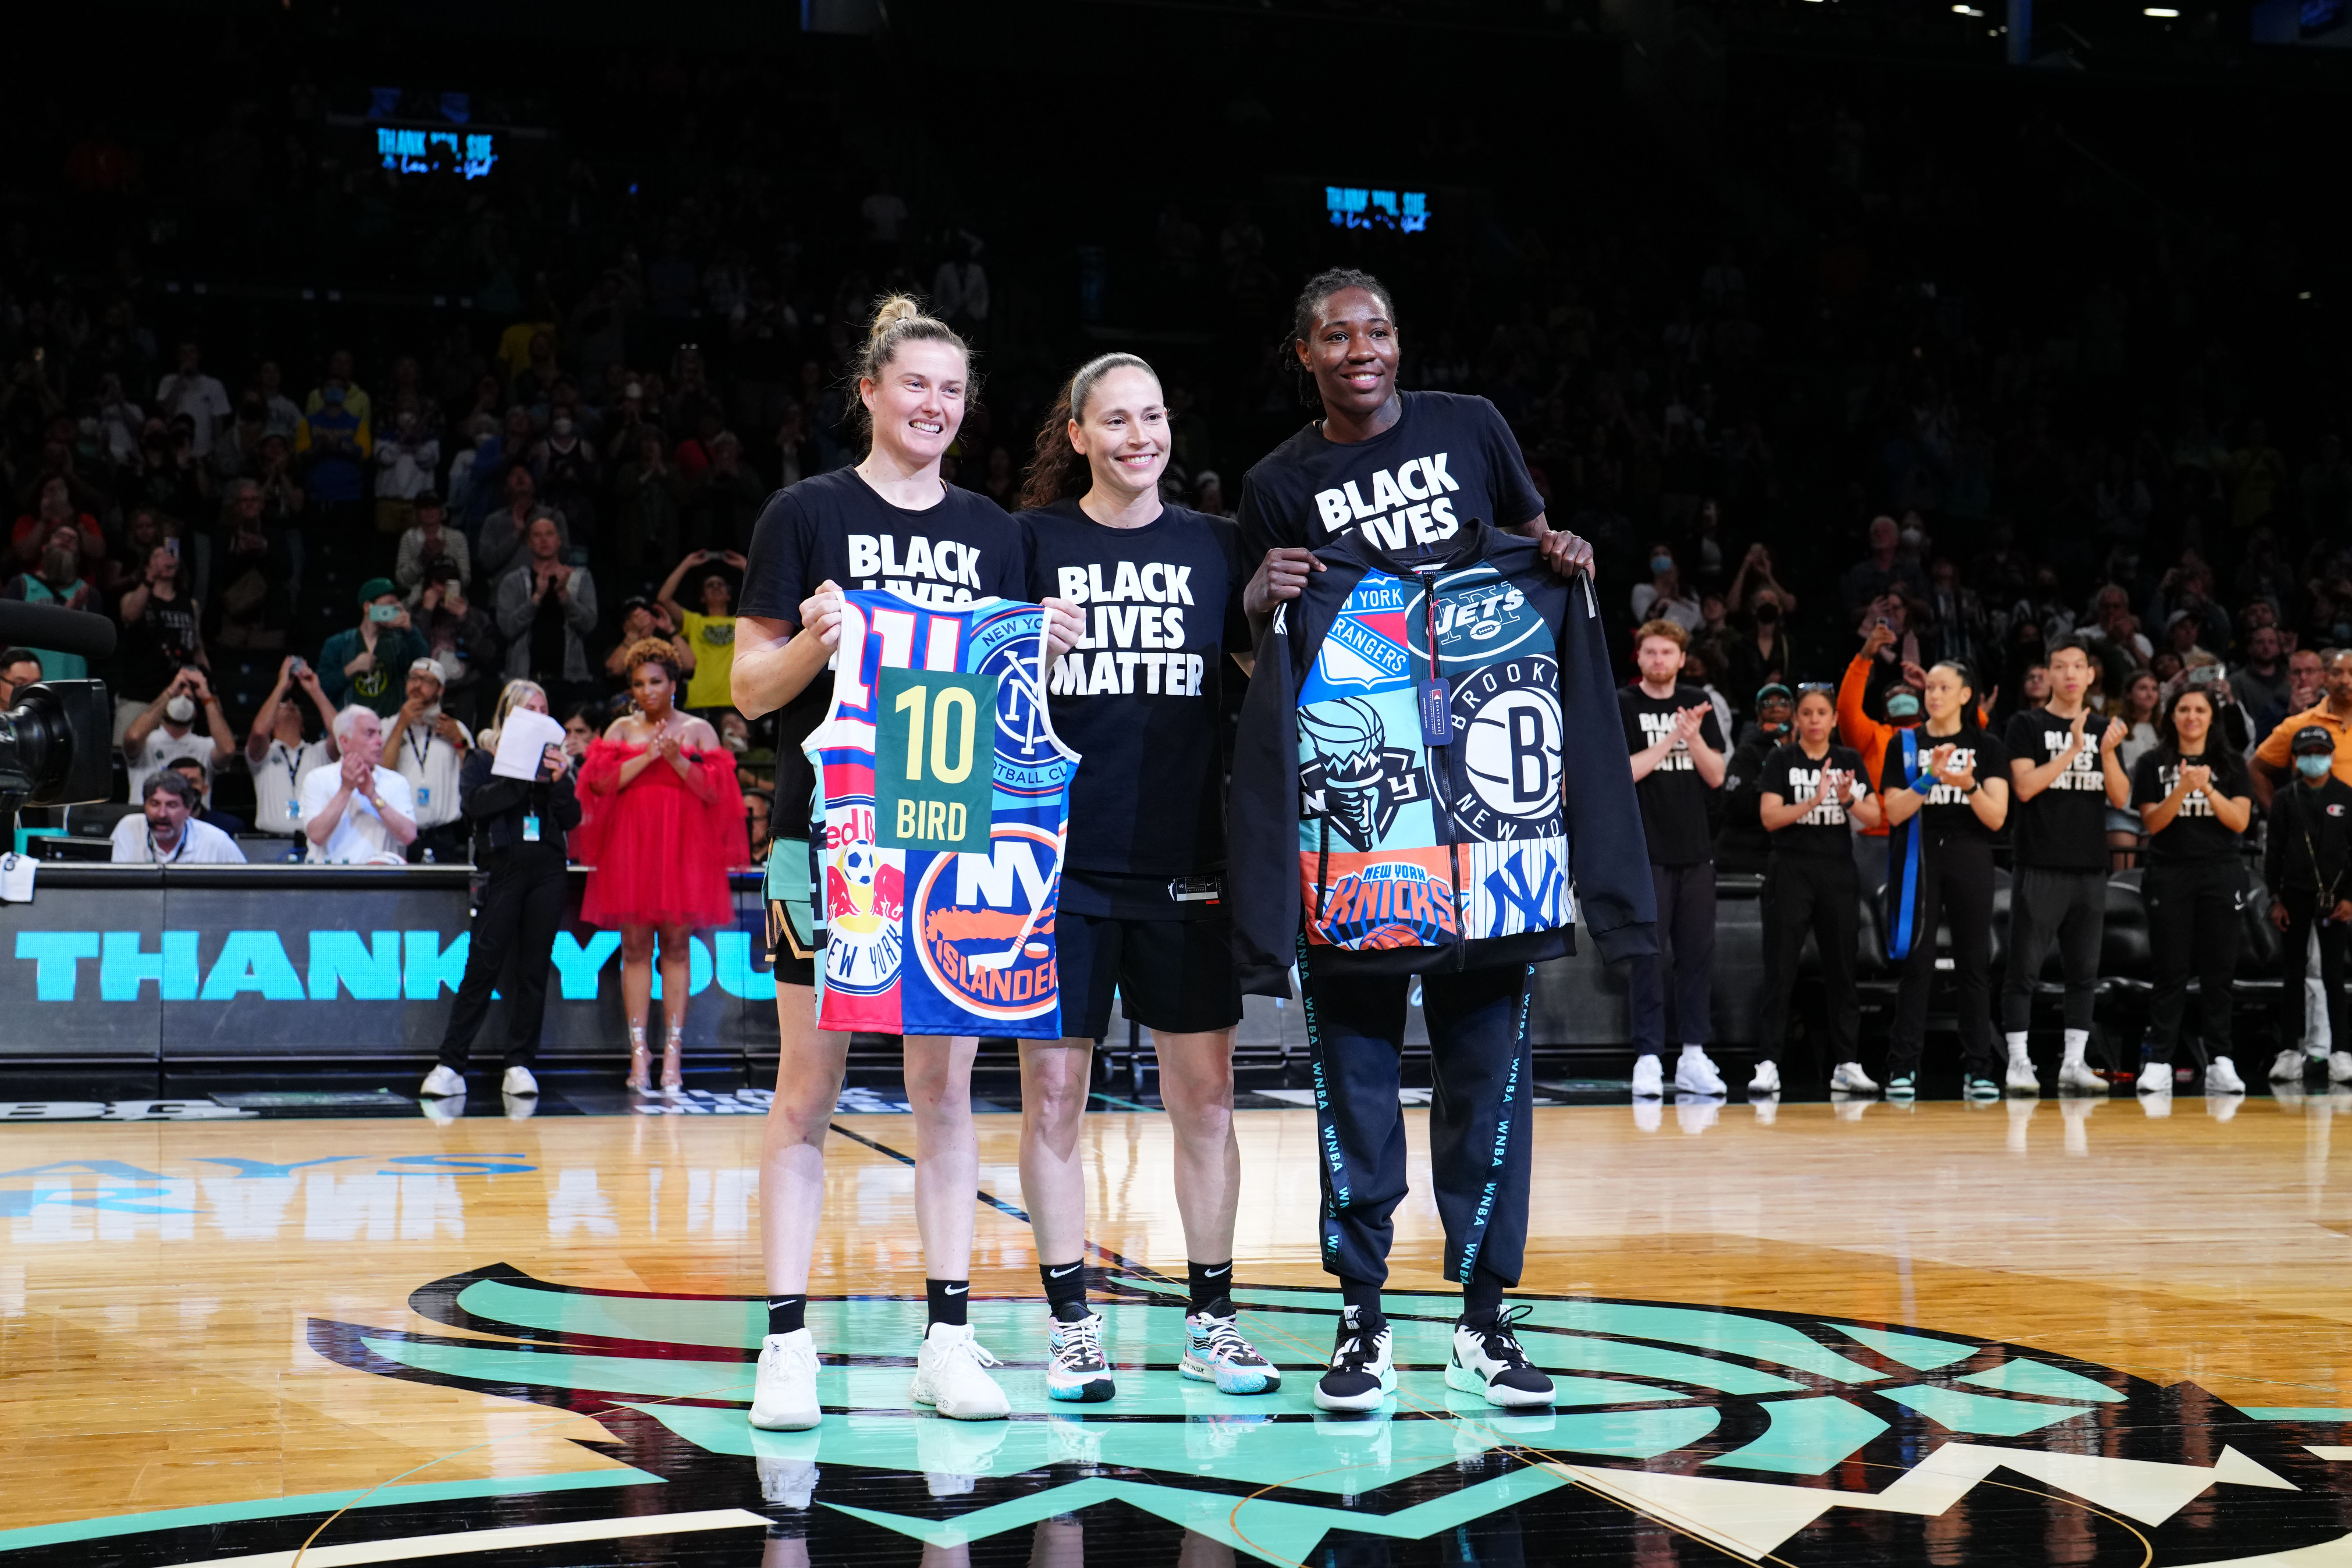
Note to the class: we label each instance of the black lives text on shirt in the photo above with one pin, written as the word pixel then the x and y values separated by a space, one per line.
pixel 1408 506
pixel 945 574
pixel 1803 780
pixel 1134 640
pixel 1656 726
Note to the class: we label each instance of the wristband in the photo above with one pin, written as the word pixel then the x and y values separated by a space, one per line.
pixel 1970 791
pixel 1924 786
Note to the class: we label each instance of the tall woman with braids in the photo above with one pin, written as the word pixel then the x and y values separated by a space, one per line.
pixel 664 823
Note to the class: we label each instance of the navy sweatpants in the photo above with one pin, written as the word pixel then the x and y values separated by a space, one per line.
pixel 1479 1132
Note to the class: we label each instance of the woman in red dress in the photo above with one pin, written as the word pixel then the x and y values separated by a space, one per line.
pixel 666 821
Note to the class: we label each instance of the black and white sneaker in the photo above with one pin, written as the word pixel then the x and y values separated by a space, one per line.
pixel 1361 1373
pixel 1490 1362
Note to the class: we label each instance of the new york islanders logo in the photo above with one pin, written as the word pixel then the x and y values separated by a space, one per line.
pixel 984 924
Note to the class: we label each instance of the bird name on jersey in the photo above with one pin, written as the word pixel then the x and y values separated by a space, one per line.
pixel 2084 772
pixel 945 574
pixel 1134 640
pixel 1804 781
pixel 1655 728
pixel 1408 505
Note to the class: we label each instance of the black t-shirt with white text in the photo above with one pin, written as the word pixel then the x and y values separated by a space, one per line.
pixel 1142 694
pixel 2064 828
pixel 2195 833
pixel 1946 809
pixel 1674 797
pixel 157 646
pixel 1446 460
pixel 835 528
pixel 1793 776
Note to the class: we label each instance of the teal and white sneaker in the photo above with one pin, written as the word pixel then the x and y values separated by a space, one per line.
pixel 1903 1085
pixel 1076 1368
pixel 1215 1352
pixel 1977 1086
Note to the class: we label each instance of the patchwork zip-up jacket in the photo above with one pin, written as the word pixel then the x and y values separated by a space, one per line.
pixel 1431 771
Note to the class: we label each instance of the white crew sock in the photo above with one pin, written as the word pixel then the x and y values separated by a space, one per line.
pixel 2017 1051
pixel 2078 1040
pixel 1691 1050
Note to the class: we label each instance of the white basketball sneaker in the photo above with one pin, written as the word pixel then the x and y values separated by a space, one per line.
pixel 783 1396
pixel 2155 1077
pixel 2075 1074
pixel 951 1376
pixel 1767 1079
pixel 1850 1078
pixel 1362 1374
pixel 2222 1077
pixel 1490 1362
pixel 441 1082
pixel 2339 1067
pixel 2021 1078
pixel 1696 1073
pixel 518 1081
pixel 1649 1079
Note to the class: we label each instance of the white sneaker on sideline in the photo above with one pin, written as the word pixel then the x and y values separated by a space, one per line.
pixel 1767 1079
pixel 518 1081
pixel 1851 1079
pixel 2077 1074
pixel 2287 1067
pixel 950 1375
pixel 1649 1079
pixel 2339 1067
pixel 2155 1077
pixel 2222 1077
pixel 442 1081
pixel 2021 1078
pixel 783 1395
pixel 1695 1074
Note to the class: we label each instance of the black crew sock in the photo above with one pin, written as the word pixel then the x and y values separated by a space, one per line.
pixel 946 1298
pixel 1065 1290
pixel 1481 1299
pixel 786 1314
pixel 1359 1302
pixel 1212 1286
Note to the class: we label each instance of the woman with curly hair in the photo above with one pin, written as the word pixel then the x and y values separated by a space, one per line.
pixel 665 823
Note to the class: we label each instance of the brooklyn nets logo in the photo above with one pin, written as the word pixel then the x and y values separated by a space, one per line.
pixel 1682 1435
pixel 1507 716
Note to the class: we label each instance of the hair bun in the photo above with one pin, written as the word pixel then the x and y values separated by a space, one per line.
pixel 898 307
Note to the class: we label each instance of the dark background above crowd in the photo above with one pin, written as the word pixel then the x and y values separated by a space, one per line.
pixel 1738 275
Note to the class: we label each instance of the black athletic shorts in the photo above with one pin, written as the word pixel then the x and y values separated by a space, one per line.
pixel 1170 965
pixel 793 942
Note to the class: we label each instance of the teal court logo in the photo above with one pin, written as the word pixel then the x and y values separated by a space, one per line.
pixel 1682 1435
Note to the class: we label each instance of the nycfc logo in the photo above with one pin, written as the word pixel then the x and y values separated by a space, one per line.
pixel 1682 1434
pixel 984 924
pixel 1508 716
pixel 865 898
pixel 1390 904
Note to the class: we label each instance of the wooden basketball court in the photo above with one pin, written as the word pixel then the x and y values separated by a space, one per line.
pixel 1811 1334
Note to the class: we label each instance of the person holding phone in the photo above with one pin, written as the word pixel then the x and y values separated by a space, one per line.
pixel 276 754
pixel 1945 790
pixel 708 633
pixel 369 664
pixel 2194 798
pixel 518 826
pixel 166 730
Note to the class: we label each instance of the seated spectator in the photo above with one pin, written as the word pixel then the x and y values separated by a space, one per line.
pixel 58 581
pixel 365 663
pixel 166 831
pixel 355 810
pixel 1663 597
pixel 642 618
pixel 506 529
pixel 1879 573
pixel 52 510
pixel 429 748
pixel 19 668
pixel 544 609
pixel 709 635
pixel 165 730
pixel 432 541
pixel 201 778
pixel 277 754
pixel 2184 635
pixel 162 633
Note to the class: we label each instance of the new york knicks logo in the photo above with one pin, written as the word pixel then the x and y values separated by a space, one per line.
pixel 1507 716
pixel 1387 904
pixel 864 899
pixel 1681 1434
pixel 984 924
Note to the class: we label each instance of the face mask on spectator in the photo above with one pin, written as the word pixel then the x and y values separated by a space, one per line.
pixel 180 709
pixel 1662 563
pixel 2313 764
pixel 1912 539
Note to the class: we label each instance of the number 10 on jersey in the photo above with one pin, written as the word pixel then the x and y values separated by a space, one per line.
pixel 934 759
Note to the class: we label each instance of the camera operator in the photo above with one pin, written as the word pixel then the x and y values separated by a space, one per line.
pixel 2064 775
pixel 166 832
pixel 165 730
pixel 2309 852
pixel 277 754
pixel 19 668
pixel 429 748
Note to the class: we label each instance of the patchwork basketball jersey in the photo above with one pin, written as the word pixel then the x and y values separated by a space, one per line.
pixel 945 798
pixel 1431 789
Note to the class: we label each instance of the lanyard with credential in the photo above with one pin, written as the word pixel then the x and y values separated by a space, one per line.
pixel 293 779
